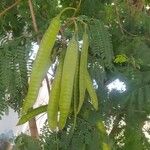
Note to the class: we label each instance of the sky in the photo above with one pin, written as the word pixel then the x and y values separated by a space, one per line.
pixel 9 121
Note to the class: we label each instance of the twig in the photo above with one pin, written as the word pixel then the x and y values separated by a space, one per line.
pixel 38 39
pixel 77 8
pixel 123 31
pixel 10 7
pixel 33 20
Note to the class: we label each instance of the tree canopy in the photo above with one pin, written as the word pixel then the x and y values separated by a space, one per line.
pixel 119 48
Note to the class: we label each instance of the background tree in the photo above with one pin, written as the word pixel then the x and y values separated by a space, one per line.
pixel 119 48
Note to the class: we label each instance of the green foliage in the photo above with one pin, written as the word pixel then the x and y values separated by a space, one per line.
pixel 25 142
pixel 16 38
pixel 119 48
pixel 85 135
pixel 13 74
pixel 3 107
pixel 100 42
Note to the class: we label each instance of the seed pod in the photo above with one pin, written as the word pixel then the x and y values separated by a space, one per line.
pixel 54 96
pixel 83 69
pixel 106 146
pixel 76 92
pixel 67 81
pixel 91 91
pixel 32 114
pixel 40 65
pixel 76 86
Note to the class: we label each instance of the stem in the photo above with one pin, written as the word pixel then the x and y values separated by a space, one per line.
pixel 74 122
pixel 123 31
pixel 77 9
pixel 33 19
pixel 82 22
pixel 76 26
pixel 68 8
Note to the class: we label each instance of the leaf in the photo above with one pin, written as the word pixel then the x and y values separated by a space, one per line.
pixel 100 42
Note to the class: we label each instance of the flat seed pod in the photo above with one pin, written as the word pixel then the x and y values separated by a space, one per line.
pixel 54 96
pixel 76 88
pixel 76 93
pixel 32 114
pixel 40 65
pixel 67 81
pixel 83 69
pixel 91 91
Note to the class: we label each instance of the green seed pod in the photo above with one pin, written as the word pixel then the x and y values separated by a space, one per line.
pixel 67 81
pixel 32 114
pixel 91 91
pixel 83 69
pixel 54 96
pixel 40 65
pixel 76 93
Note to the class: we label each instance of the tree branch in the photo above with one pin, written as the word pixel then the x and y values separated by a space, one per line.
pixel 10 7
pixel 33 19
pixel 123 31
